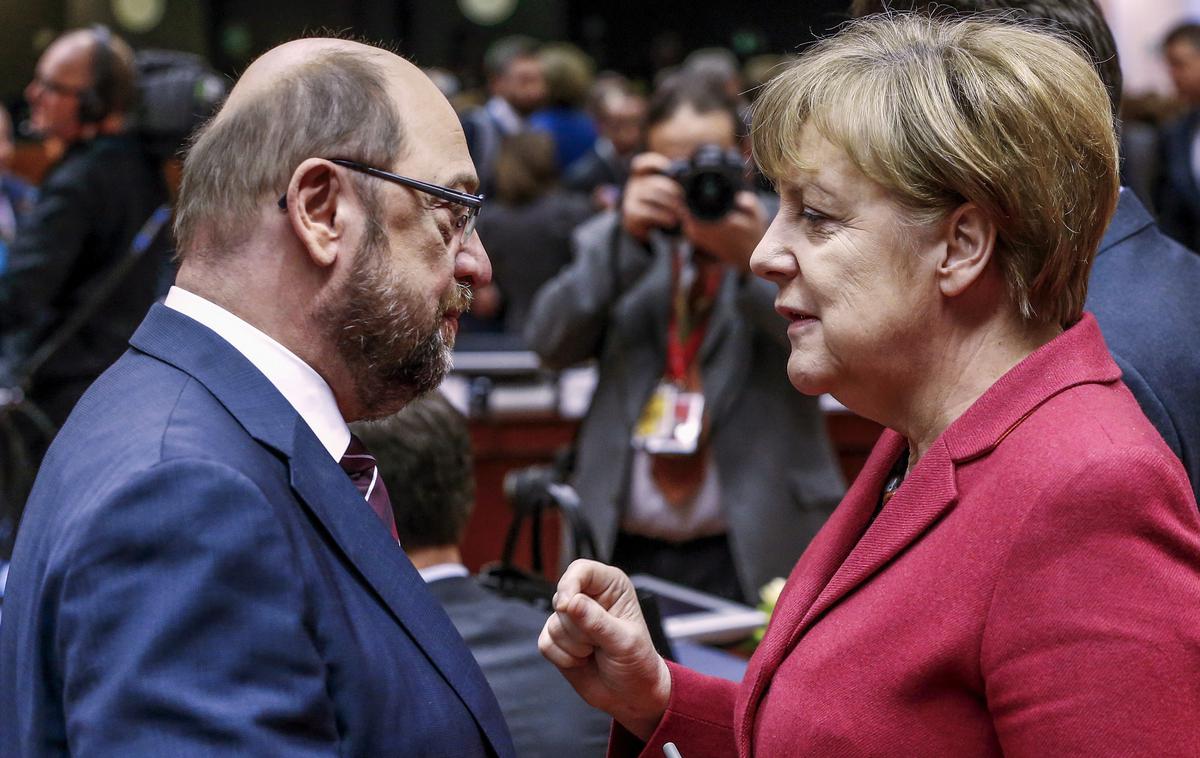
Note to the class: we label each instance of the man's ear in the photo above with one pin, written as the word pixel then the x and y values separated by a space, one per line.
pixel 317 209
pixel 970 242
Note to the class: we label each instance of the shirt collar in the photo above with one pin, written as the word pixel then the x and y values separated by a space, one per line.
pixel 299 384
pixel 443 571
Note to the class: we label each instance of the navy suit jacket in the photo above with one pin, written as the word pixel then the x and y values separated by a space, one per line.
pixel 1145 293
pixel 195 575
pixel 1178 195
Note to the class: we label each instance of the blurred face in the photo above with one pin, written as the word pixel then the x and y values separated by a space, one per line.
pixel 397 316
pixel 854 282
pixel 622 123
pixel 1183 64
pixel 679 136
pixel 522 85
pixel 63 72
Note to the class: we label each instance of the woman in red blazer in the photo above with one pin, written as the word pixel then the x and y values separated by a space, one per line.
pixel 1017 569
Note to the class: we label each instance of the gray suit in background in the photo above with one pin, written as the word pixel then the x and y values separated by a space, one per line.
pixel 778 474
pixel 544 715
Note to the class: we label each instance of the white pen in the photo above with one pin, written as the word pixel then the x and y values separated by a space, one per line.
pixel 670 751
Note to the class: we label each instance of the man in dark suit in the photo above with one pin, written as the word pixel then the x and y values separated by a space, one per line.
pixel 1143 284
pixel 424 453
pixel 208 563
pixel 604 168
pixel 94 202
pixel 16 196
pixel 1178 196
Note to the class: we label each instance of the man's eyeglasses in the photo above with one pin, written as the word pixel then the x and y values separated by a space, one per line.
pixel 465 223
pixel 52 86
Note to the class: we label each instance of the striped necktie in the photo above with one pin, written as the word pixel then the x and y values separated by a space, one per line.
pixel 359 465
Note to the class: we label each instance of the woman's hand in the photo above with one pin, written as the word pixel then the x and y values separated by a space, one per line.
pixel 599 641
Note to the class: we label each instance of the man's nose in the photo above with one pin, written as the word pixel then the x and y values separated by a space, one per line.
pixel 472 264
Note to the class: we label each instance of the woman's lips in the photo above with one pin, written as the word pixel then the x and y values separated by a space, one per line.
pixel 798 319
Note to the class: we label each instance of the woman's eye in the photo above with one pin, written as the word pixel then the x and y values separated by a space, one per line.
pixel 816 218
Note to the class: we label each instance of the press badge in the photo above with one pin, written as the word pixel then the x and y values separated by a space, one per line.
pixel 670 422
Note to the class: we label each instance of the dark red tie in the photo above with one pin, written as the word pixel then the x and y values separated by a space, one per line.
pixel 359 465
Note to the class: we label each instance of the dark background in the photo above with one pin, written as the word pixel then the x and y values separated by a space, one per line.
pixel 632 37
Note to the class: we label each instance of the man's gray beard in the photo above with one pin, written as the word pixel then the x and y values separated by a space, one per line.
pixel 392 354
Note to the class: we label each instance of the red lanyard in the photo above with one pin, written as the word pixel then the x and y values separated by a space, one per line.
pixel 682 354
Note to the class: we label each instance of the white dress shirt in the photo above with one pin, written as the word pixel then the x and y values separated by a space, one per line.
pixel 442 571
pixel 299 384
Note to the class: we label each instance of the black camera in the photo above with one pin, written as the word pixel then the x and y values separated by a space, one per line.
pixel 711 179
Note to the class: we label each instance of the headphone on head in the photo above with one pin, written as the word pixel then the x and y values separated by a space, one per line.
pixel 95 102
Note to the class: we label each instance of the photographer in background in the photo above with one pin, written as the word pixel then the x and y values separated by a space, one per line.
pixel 691 356
pixel 92 203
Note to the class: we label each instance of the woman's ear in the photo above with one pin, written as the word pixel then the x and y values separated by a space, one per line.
pixel 969 244
pixel 316 198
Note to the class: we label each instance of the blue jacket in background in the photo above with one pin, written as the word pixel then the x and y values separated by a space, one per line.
pixel 1145 292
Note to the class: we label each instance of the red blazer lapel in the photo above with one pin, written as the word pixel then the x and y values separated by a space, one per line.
pixel 927 493
pixel 810 577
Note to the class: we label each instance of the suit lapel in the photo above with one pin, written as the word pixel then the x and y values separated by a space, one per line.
pixel 725 353
pixel 648 303
pixel 325 490
pixel 811 577
pixel 927 493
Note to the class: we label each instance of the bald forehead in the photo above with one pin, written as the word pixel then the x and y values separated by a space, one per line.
pixel 409 88
pixel 70 54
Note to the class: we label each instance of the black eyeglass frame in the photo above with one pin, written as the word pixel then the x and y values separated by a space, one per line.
pixel 61 90
pixel 473 202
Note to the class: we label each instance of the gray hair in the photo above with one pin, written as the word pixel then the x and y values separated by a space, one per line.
pixel 334 106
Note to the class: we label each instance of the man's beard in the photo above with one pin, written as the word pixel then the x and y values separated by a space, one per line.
pixel 393 352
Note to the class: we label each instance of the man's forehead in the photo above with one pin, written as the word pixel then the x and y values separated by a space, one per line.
pixel 67 55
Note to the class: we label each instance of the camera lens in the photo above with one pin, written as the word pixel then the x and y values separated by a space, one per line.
pixel 710 195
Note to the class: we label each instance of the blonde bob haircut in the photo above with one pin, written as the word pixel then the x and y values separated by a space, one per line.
pixel 946 111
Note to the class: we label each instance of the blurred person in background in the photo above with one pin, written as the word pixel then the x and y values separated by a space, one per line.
pixel 690 353
pixel 424 454
pixel 516 88
pixel 569 73
pixel 620 115
pixel 1142 285
pixel 103 191
pixel 1178 198
pixel 1014 572
pixel 529 224
pixel 720 66
pixel 16 195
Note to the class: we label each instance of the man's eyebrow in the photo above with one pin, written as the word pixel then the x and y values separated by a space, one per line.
pixel 465 182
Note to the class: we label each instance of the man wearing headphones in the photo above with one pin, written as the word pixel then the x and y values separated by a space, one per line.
pixel 93 202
